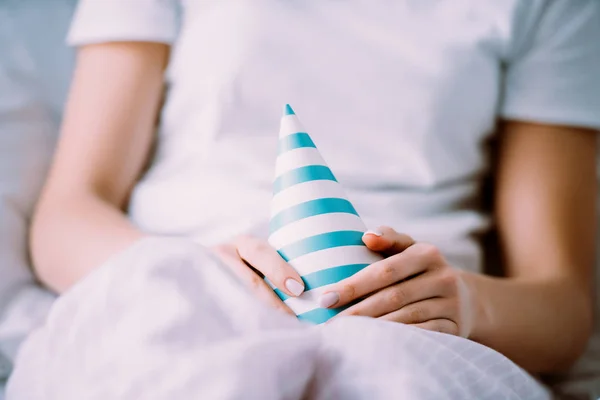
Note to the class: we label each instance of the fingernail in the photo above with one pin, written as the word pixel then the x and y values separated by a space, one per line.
pixel 373 232
pixel 328 299
pixel 295 287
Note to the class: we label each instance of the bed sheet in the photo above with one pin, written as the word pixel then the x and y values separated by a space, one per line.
pixel 164 320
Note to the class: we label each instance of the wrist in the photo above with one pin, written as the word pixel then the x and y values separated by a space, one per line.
pixel 477 307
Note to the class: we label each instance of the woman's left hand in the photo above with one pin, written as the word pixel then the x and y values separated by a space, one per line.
pixel 413 285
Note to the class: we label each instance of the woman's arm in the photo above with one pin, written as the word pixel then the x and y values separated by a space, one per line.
pixel 541 315
pixel 106 138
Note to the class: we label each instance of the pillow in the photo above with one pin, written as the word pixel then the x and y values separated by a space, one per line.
pixel 35 69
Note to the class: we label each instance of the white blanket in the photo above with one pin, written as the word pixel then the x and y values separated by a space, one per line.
pixel 163 320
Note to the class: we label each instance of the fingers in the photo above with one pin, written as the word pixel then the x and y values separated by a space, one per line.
pixel 387 241
pixel 423 311
pixel 439 325
pixel 261 256
pixel 255 283
pixel 414 260
pixel 397 297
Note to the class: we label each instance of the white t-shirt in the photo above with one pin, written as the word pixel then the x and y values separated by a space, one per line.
pixel 399 96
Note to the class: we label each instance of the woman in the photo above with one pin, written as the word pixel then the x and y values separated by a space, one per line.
pixel 401 97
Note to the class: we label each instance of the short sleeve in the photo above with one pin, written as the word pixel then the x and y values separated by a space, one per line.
pixel 97 21
pixel 554 77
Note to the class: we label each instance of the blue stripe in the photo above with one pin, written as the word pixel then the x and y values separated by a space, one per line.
pixel 281 294
pixel 310 209
pixel 320 315
pixel 295 141
pixel 287 110
pixel 321 242
pixel 302 174
pixel 325 277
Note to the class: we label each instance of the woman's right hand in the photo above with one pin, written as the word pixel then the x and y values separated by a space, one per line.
pixel 249 258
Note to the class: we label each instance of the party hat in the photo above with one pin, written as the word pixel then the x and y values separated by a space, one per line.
pixel 313 226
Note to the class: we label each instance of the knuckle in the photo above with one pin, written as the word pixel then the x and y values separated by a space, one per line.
pixel 397 295
pixel 449 280
pixel 350 290
pixel 386 271
pixel 428 251
pixel 448 277
pixel 417 314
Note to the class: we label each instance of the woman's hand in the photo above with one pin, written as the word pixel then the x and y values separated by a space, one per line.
pixel 413 285
pixel 249 258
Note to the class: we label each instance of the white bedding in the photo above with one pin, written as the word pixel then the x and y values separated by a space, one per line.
pixel 164 321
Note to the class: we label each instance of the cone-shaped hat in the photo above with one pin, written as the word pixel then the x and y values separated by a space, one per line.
pixel 313 225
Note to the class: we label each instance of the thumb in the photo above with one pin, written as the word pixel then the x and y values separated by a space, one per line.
pixel 387 241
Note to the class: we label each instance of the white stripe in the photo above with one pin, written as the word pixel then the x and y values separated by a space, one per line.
pixel 290 124
pixel 307 301
pixel 306 191
pixel 297 158
pixel 271 284
pixel 315 225
pixel 333 257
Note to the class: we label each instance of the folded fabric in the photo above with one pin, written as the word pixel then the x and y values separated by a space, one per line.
pixel 164 320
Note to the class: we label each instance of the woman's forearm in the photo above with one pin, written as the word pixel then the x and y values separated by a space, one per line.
pixel 545 210
pixel 541 325
pixel 70 238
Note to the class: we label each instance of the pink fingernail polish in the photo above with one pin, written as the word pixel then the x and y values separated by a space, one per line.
pixel 373 232
pixel 329 299
pixel 295 287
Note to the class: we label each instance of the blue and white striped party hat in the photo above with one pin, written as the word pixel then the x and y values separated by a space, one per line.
pixel 313 226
